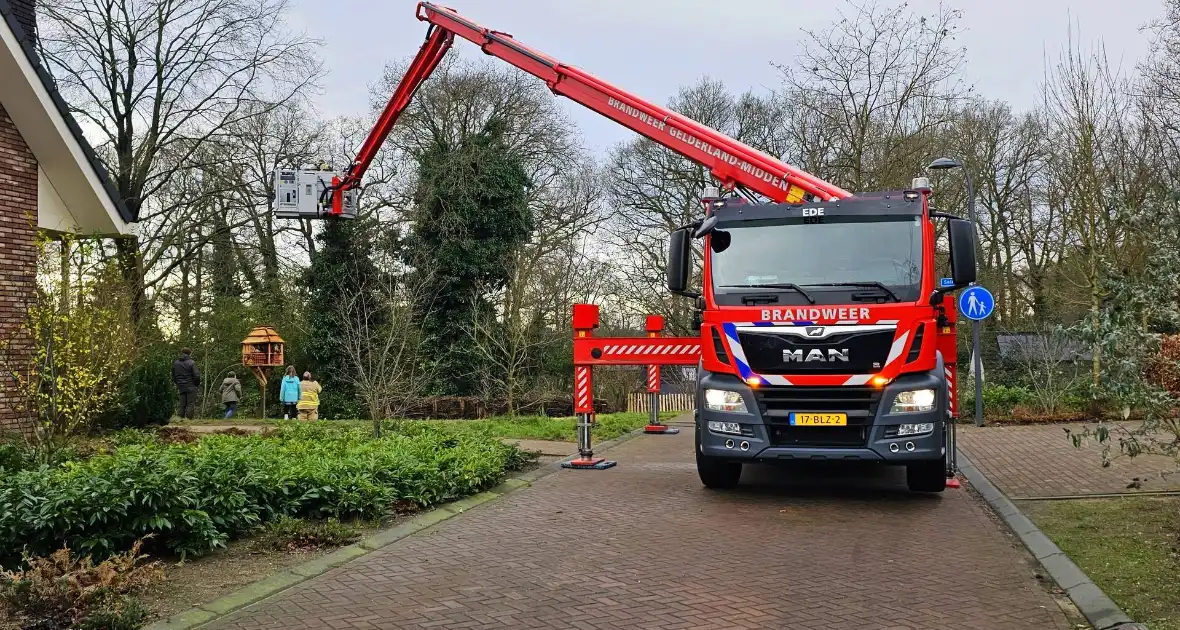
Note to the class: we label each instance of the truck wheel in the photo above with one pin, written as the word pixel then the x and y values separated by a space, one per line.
pixel 718 474
pixel 928 476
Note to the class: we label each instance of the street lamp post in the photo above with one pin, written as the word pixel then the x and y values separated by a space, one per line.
pixel 976 358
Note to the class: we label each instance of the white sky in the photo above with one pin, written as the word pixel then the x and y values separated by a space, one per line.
pixel 652 47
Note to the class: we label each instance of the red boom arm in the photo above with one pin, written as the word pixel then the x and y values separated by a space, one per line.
pixel 731 162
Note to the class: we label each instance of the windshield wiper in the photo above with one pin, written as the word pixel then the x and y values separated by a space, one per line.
pixel 874 285
pixel 780 285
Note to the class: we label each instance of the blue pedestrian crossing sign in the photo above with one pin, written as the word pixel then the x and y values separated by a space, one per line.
pixel 976 303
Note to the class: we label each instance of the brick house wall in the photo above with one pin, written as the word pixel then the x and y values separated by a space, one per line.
pixel 18 249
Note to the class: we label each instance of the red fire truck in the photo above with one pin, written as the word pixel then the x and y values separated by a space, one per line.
pixel 825 331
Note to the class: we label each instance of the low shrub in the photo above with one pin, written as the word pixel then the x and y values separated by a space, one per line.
pixel 997 399
pixel 195 496
pixel 15 454
pixel 295 534
pixel 65 590
pixel 1163 369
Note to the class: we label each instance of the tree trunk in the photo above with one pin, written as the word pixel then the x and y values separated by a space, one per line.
pixel 64 261
pixel 185 308
pixel 131 268
pixel 1095 305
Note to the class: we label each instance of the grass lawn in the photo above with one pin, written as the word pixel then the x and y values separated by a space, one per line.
pixel 609 426
pixel 1128 546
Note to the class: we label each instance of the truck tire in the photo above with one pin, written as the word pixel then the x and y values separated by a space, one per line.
pixel 928 476
pixel 716 474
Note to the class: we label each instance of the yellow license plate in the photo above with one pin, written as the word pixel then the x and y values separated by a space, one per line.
pixel 819 419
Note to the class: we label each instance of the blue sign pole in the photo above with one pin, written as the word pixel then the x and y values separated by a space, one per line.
pixel 977 304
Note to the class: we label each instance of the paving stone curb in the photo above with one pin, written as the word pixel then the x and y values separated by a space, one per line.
pixel 271 585
pixel 1098 608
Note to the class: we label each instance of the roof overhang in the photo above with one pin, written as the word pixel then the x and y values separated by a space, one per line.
pixel 66 160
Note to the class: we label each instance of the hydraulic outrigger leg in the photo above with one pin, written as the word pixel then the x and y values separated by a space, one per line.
pixel 655 325
pixel 586 458
pixel 585 321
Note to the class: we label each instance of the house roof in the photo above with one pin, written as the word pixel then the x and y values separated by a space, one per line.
pixel 54 154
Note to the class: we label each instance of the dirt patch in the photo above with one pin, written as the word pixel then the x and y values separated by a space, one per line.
pixel 232 429
pixel 242 562
pixel 175 435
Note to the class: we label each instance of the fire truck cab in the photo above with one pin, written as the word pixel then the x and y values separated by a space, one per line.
pixel 825 334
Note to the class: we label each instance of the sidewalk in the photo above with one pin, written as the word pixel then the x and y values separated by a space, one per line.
pixel 1040 461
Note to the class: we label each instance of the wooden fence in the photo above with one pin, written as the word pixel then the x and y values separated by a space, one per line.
pixel 639 403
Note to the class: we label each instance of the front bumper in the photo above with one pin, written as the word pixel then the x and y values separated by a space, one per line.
pixel 872 439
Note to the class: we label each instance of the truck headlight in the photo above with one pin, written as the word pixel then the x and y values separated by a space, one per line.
pixel 724 400
pixel 915 429
pixel 732 428
pixel 913 401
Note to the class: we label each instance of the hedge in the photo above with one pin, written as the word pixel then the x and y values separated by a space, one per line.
pixel 194 497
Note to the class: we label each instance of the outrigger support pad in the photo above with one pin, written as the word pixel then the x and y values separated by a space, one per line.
pixel 586 459
pixel 593 463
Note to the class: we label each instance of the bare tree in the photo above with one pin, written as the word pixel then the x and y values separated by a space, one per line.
pixel 381 342
pixel 653 190
pixel 508 350
pixel 870 90
pixel 1048 355
pixel 1098 175
pixel 164 77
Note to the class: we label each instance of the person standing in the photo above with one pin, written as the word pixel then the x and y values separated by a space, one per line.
pixel 309 398
pixel 289 393
pixel 187 379
pixel 231 393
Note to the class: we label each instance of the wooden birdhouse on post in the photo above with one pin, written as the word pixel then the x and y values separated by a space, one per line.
pixel 261 349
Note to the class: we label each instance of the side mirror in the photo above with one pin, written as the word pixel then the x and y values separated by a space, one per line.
pixel 706 226
pixel 962 238
pixel 680 261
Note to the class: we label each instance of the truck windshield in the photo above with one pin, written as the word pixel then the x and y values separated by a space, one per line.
pixel 842 259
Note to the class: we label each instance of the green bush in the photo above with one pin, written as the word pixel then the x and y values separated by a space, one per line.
pixel 13 456
pixel 193 497
pixel 147 395
pixel 295 534
pixel 997 399
pixel 16 455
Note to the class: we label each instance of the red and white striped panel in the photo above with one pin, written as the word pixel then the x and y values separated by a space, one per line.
pixel 650 349
pixel 653 379
pixel 952 393
pixel 583 390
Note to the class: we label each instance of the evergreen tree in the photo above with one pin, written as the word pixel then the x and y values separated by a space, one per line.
pixel 471 217
pixel 342 265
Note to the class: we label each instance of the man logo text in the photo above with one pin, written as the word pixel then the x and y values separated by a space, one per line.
pixel 815 354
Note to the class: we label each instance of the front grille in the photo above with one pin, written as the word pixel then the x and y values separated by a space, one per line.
pixel 778 403
pixel 768 353
pixel 819 437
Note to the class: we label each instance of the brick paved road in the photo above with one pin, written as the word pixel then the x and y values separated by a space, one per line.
pixel 1040 461
pixel 645 546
